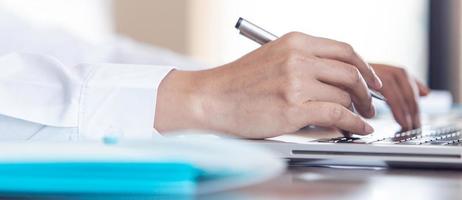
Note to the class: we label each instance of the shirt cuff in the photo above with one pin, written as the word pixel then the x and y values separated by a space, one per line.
pixel 119 100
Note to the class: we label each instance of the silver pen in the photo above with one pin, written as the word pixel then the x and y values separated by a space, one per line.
pixel 261 36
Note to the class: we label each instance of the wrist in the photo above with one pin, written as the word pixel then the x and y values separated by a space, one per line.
pixel 179 103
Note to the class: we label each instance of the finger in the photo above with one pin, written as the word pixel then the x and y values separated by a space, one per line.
pixel 397 105
pixel 331 94
pixel 334 115
pixel 331 49
pixel 423 89
pixel 346 133
pixel 346 76
pixel 409 93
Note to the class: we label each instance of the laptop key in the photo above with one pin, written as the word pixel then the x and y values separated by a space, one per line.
pixel 423 136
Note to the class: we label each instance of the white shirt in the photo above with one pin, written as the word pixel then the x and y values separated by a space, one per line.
pixel 56 86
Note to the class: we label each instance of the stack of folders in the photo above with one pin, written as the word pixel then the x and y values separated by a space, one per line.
pixel 164 166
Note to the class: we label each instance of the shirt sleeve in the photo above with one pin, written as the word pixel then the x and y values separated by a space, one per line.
pixel 96 99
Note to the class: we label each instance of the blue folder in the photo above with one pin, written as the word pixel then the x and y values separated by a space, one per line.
pixel 155 178
pixel 164 166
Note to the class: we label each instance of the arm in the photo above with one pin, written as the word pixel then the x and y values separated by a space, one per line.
pixel 93 98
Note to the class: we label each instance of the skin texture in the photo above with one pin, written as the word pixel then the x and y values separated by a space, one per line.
pixel 294 81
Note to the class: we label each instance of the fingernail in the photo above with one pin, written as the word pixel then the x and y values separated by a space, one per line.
pixel 378 83
pixel 368 128
pixel 372 110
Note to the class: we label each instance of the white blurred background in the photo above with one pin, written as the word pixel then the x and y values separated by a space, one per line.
pixel 389 31
pixel 89 19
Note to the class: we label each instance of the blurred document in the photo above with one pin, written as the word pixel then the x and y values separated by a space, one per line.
pixel 165 166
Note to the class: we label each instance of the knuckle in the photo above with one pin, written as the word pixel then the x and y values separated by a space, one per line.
pixel 293 39
pixel 346 49
pixel 334 114
pixel 354 75
pixel 402 72
pixel 294 35
pixel 345 99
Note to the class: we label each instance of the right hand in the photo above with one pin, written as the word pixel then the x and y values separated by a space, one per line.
pixel 287 84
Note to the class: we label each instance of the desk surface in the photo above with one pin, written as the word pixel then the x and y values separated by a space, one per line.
pixel 371 184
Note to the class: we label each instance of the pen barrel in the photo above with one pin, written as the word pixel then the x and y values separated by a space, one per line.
pixel 254 32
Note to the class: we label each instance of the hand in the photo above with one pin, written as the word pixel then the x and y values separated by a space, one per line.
pixel 402 92
pixel 287 84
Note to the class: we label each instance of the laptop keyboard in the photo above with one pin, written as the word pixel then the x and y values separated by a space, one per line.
pixel 447 135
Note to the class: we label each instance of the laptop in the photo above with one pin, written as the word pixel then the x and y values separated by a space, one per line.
pixel 436 145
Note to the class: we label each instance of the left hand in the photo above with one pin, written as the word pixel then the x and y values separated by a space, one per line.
pixel 402 92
